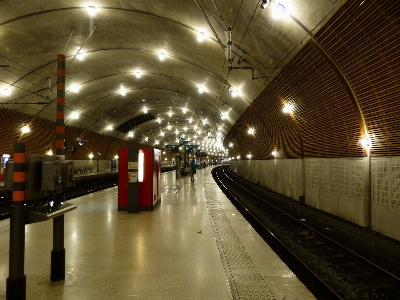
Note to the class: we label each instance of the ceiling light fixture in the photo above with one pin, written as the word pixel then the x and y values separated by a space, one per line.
pixel 250 131
pixel 265 3
pixel 80 55
pixel 5 92
pixel 109 127
pixel 138 74
pixel 81 141
pixel 75 88
pixel 122 91
pixel 91 11
pixel 201 89
pixel 365 142
pixel 200 37
pixel 288 108
pixel 75 115
pixel 184 110
pixel 161 56
pixel 279 11
pixel 130 134
pixel 25 129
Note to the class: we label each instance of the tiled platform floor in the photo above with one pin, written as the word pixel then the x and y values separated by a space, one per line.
pixel 156 254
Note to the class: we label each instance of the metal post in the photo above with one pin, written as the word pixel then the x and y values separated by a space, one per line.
pixel 16 282
pixel 58 252
pixel 178 168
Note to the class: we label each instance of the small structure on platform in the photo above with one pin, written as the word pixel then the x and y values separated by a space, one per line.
pixel 139 180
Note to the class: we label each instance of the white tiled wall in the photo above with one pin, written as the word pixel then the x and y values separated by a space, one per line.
pixel 385 196
pixel 338 186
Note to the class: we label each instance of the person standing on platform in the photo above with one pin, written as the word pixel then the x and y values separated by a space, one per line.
pixel 192 170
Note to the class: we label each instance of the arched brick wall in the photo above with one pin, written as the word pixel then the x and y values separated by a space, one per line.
pixel 363 41
pixel 43 133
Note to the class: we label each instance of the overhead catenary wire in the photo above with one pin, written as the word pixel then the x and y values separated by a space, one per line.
pixel 210 25
pixel 63 52
pixel 219 13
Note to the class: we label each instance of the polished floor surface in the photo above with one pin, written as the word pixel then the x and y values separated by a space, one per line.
pixel 194 245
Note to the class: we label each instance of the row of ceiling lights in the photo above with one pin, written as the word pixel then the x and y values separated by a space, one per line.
pixel 76 88
pixel 162 55
pixel 206 145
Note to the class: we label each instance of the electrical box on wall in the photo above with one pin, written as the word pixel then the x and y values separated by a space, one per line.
pixel 33 176
pixel 67 173
pixel 45 174
pixel 51 175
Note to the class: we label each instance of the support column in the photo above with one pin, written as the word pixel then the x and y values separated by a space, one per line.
pixel 60 105
pixel 16 282
pixel 58 252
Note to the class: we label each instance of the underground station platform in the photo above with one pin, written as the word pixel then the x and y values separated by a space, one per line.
pixel 178 250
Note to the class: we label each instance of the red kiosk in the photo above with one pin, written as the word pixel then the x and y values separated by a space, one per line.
pixel 139 182
pixel 4 158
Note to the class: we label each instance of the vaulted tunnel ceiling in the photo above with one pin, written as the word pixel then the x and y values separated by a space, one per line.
pixel 121 47
pixel 125 37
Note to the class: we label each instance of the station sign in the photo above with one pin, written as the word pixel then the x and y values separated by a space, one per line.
pixel 175 148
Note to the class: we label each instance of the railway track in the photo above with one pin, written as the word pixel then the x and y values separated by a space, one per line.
pixel 339 271
pixel 83 185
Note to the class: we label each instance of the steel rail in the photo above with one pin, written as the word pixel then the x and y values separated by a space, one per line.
pixel 314 274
